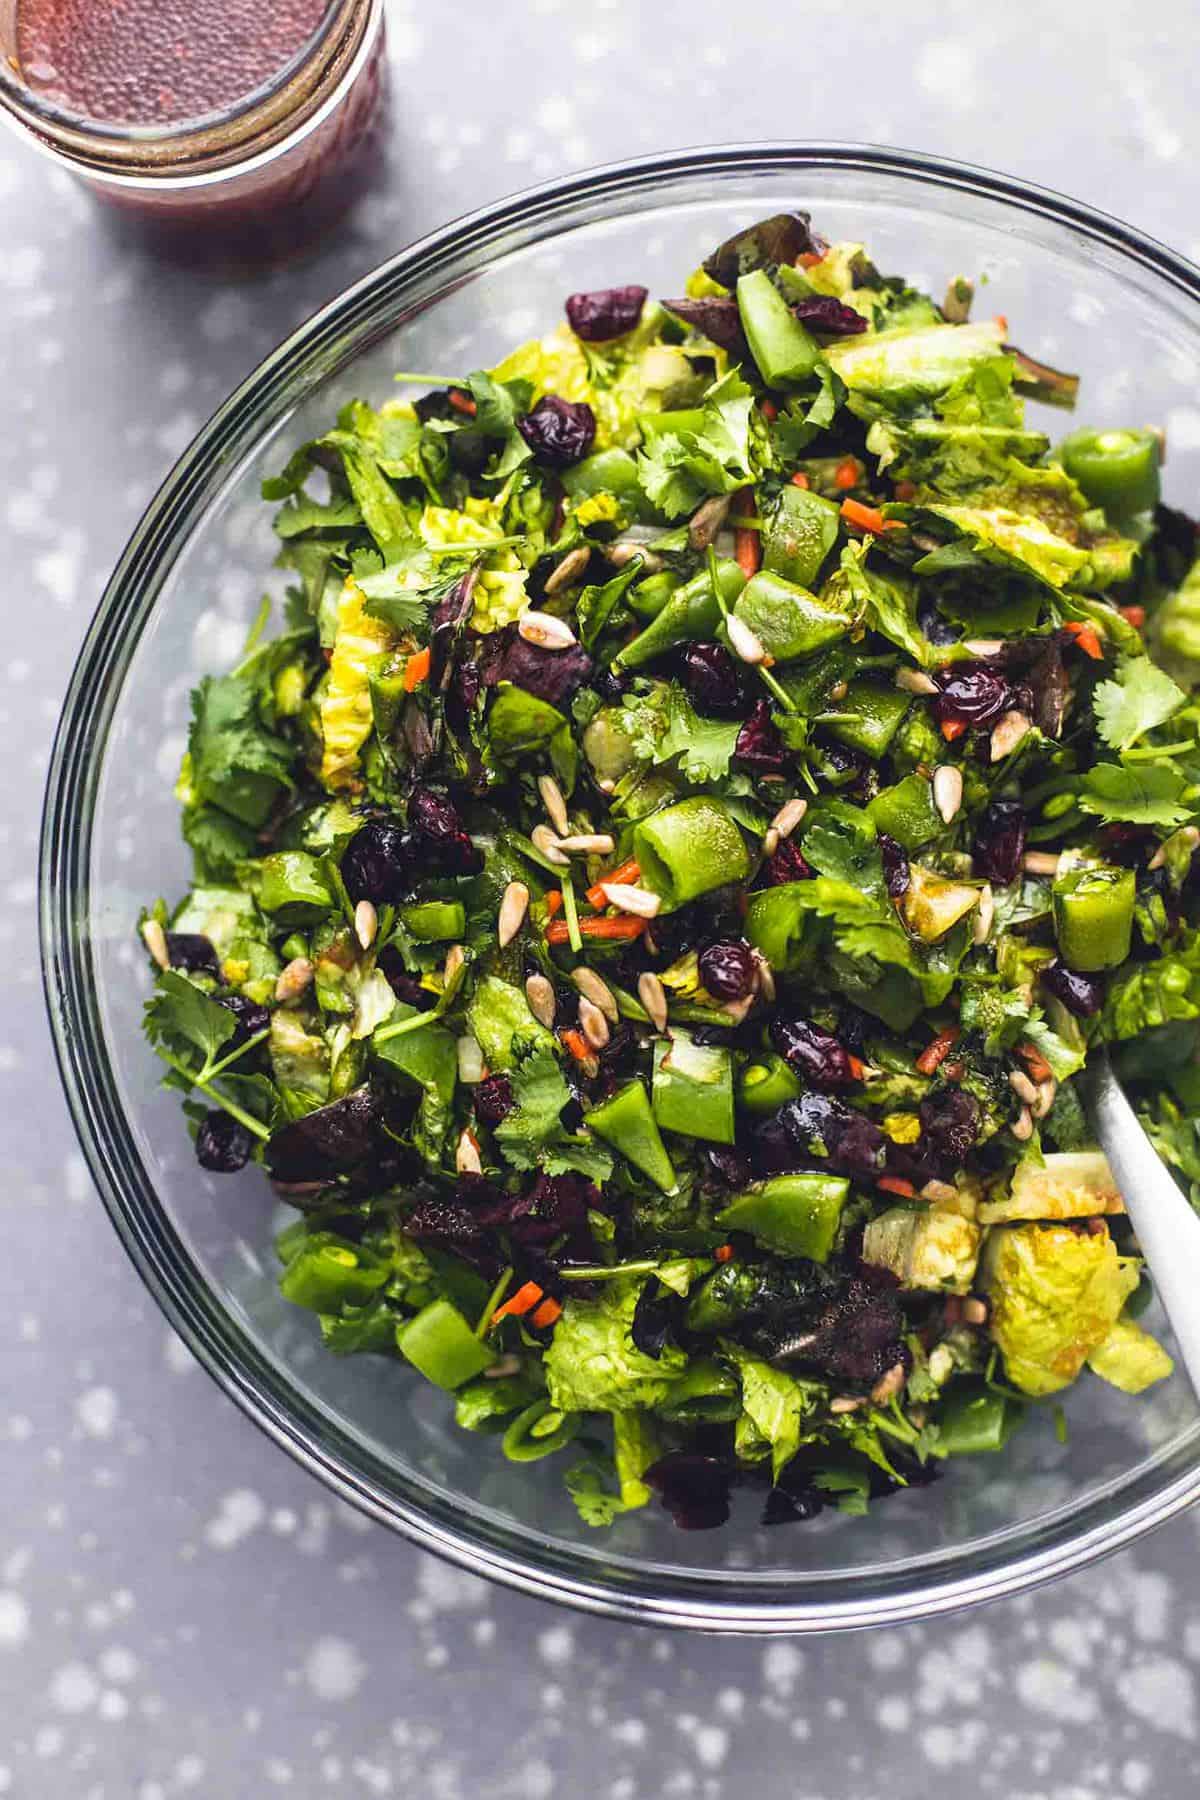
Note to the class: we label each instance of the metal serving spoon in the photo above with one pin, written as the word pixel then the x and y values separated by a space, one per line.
pixel 1167 1228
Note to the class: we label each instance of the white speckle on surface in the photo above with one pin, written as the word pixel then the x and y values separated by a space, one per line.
pixel 113 1706
pixel 712 1745
pixel 1183 428
pixel 74 1689
pixel 96 1411
pixel 76 1180
pixel 556 1645
pixel 1053 1688
pixel 447 1589
pixel 176 1355
pixel 59 570
pixel 947 1746
pixel 118 1664
pixel 782 1666
pixel 894 1712
pixel 333 1669
pixel 240 1513
pixel 14 1621
pixel 1161 1691
pixel 945 70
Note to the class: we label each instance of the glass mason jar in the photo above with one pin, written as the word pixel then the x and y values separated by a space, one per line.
pixel 271 166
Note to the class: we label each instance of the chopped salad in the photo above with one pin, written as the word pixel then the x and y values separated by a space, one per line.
pixel 719 771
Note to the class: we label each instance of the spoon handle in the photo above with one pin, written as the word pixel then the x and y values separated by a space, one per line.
pixel 1167 1228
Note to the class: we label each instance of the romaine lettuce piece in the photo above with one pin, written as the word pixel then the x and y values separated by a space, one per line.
pixel 900 368
pixel 1130 1358
pixel 592 1363
pixel 935 1250
pixel 1076 1184
pixel 1056 1295
pixel 345 701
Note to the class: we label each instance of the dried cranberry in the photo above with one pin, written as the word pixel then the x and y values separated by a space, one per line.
pixel 333 1139
pixel 435 1219
pixel 559 431
pixel 787 864
pixel 822 312
pixel 191 951
pixel 813 1053
pixel 780 239
pixel 605 313
pixel 406 987
pixel 832 1134
pixel 727 969
pixel 493 1100
pixel 729 1167
pixel 855 1338
pixel 712 679
pixel 693 1489
pixel 949 1127
pixel 435 819
pixel 772 1147
pixel 1000 842
pixel 552 675
pixel 654 1318
pixel 556 1209
pixel 251 1018
pixel 716 318
pixel 759 746
pixel 378 863
pixel 223 1144
pixel 1082 995
pixel 895 866
pixel 970 695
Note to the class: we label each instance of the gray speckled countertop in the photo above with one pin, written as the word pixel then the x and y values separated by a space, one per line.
pixel 182 1611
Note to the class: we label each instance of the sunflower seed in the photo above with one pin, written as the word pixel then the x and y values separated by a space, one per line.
pixel 985 912
pixel 956 307
pixel 1021 1085
pixel 789 816
pixel 707 520
pixel 888 1385
pixel 637 900
pixel 589 843
pixel 366 923
pixel 940 1193
pixel 915 681
pixel 743 642
pixel 1022 1128
pixel 984 646
pixel 471 1066
pixel 544 630
pixel 847 1403
pixel 1189 836
pixel 466 1157
pixel 1046 1090
pixel 1041 862
pixel 947 791
pixel 513 908
pixel 593 1023
pixel 770 843
pixel 1008 732
pixel 653 996
pixel 500 1371
pixel 597 991
pixel 456 956
pixel 545 840
pixel 839 690
pixel 555 805
pixel 540 994
pixel 155 940
pixel 623 552
pixel 565 571
pixel 294 979
pixel 764 977
pixel 607 786
pixel 974 1311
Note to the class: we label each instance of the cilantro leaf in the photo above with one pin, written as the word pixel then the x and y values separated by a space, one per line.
pixel 586 1482
pixel 1148 795
pixel 1140 697
pixel 179 1017
pixel 532 1134
pixel 677 469
pixel 235 762
pixel 703 746
pixel 383 512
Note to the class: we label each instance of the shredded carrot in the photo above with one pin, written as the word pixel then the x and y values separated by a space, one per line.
pixel 847 473
pixel 867 518
pixel 858 1068
pixel 1133 615
pixel 953 728
pixel 937 1051
pixel 770 411
pixel 808 259
pixel 624 926
pixel 554 902
pixel 896 1184
pixel 747 549
pixel 1034 1061
pixel 1087 638
pixel 800 479
pixel 416 670
pixel 723 1253
pixel 547 1313
pixel 577 1044
pixel 624 872
pixel 523 1301
pixel 906 490
pixel 1001 321
pixel 462 403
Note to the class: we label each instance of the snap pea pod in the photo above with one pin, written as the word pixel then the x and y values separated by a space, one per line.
pixel 691 614
pixel 765 1084
pixel 693 1088
pixel 1117 470
pixel 439 1342
pixel 1093 917
pixel 797 1215
pixel 627 1122
pixel 687 850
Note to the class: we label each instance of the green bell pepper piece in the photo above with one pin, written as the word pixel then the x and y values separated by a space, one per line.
pixel 607 472
pixel 973 1419
pixel 688 849
pixel 539 1431
pixel 326 1273
pixel 877 711
pixel 787 620
pixel 691 615
pixel 440 1343
pixel 1117 470
pixel 1093 917
pixel 784 351
pixel 798 533
pixel 290 886
pixel 627 1122
pixel 765 1084
pixel 693 1088
pixel 797 1215
pixel 434 921
pixel 777 925
pixel 907 813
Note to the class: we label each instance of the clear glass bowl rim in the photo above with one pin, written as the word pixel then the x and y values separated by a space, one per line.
pixel 704 1602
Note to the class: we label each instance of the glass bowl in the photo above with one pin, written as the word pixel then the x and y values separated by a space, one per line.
pixel 1079 289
